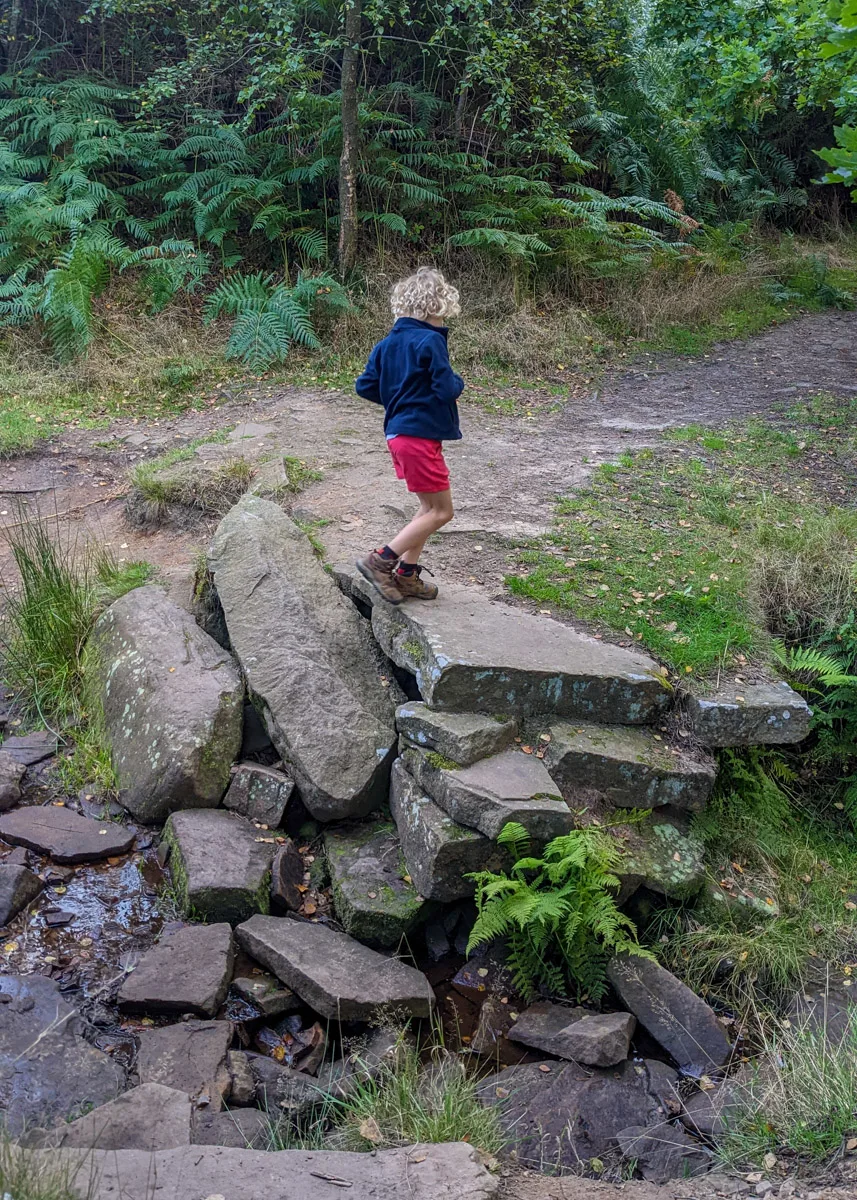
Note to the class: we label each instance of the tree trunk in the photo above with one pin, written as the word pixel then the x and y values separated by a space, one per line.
pixel 350 140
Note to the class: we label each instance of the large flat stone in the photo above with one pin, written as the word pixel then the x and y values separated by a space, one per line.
pixel 473 654
pixel 439 852
pixel 63 835
pixel 630 767
pixel 27 749
pixel 664 1153
pixel 259 793
pixel 188 971
pixel 173 705
pixel 750 715
pixel 510 786
pixel 333 973
pixel 19 886
pixel 149 1117
pixel 462 737
pixel 244 1128
pixel 676 1017
pixel 453 1170
pixel 596 1039
pixel 48 1073
pixel 308 659
pixel 190 1057
pixel 374 901
pixel 220 864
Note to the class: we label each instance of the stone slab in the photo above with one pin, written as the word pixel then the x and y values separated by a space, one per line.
pixel 11 774
pixel 629 766
pixel 48 1072
pixel 266 993
pixel 287 876
pixel 190 1057
pixel 187 971
pixel 510 786
pixel 27 749
pixel 19 886
pixel 374 901
pixel 220 864
pixel 172 701
pixel 333 973
pixel 473 654
pixel 259 793
pixel 661 858
pixel 149 1117
pixel 664 1153
pixel 244 1128
pixel 439 852
pixel 755 714
pixel 596 1039
pixel 309 661
pixel 63 835
pixel 425 1172
pixel 462 737
pixel 676 1017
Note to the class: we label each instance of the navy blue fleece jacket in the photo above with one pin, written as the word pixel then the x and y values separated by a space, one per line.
pixel 409 373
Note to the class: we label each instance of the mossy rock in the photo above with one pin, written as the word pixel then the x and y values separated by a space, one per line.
pixel 372 893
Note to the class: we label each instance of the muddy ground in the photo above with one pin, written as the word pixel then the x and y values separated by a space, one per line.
pixel 507 471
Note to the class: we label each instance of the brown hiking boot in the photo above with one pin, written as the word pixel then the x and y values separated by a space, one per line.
pixel 413 588
pixel 379 571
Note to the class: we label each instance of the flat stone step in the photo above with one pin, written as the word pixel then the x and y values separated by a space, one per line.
pixel 595 1039
pixel 754 714
pixel 629 767
pixel 63 835
pixel 311 665
pixel 510 786
pixel 462 737
pixel 469 653
pixel 220 864
pixel 453 1170
pixel 438 851
pixel 188 971
pixel 337 976
pixel 189 1056
pixel 375 899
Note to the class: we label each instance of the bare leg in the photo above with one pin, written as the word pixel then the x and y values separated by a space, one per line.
pixel 434 512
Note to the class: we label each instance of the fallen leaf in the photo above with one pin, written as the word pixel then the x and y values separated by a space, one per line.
pixel 370 1130
pixel 482 971
pixel 850 905
pixel 102 832
pixel 372 895
pixel 527 749
pixel 769 1161
pixel 309 908
pixel 418 1158
pixel 544 1068
pixel 10 947
pixel 851 1144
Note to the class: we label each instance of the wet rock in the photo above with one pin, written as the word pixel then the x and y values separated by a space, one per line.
pixel 750 715
pixel 439 852
pixel 220 864
pixel 511 786
pixel 453 1170
pixel 56 918
pixel 172 741
pixel 27 749
pixel 471 654
pixel 462 737
pixel 492 1028
pixel 438 945
pixel 287 875
pixel 242 1088
pixel 259 793
pixel 630 767
pixel 188 971
pixel 190 1057
pixel 336 975
pixel 63 835
pixel 245 1128
pixel 19 887
pixel 486 973
pixel 266 993
pixel 318 682
pixel 663 859
pixel 11 774
pixel 596 1039
pixel 149 1117
pixel 665 1153
pixel 48 1073
pixel 676 1018
pixel 562 1113
pixel 99 808
pixel 20 856
pixel 374 901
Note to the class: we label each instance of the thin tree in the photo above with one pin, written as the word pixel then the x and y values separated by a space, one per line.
pixel 350 139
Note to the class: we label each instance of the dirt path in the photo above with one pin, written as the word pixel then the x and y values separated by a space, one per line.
pixel 506 472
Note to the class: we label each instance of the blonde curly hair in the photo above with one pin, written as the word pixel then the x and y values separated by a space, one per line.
pixel 425 294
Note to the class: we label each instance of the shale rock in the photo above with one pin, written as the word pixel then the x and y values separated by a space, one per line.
pixel 462 737
pixel 374 901
pixel 596 1039
pixel 317 681
pixel 220 864
pixel 63 835
pixel 336 975
pixel 750 715
pixel 188 971
pixel 172 702
pixel 19 886
pixel 149 1117
pixel 259 793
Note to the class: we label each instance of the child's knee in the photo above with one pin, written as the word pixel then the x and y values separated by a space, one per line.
pixel 443 515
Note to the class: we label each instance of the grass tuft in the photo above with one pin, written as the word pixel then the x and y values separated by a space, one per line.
pixel 32 1175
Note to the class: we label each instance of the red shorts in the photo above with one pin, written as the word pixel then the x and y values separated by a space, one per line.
pixel 420 462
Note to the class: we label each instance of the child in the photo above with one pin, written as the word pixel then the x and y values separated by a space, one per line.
pixel 409 373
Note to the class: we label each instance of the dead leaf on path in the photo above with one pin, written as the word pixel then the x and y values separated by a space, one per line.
pixel 309 908
pixel 370 1130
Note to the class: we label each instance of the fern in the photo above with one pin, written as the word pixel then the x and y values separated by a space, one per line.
pixel 557 912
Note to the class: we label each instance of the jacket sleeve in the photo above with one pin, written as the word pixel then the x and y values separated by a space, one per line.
pixel 367 384
pixel 446 385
